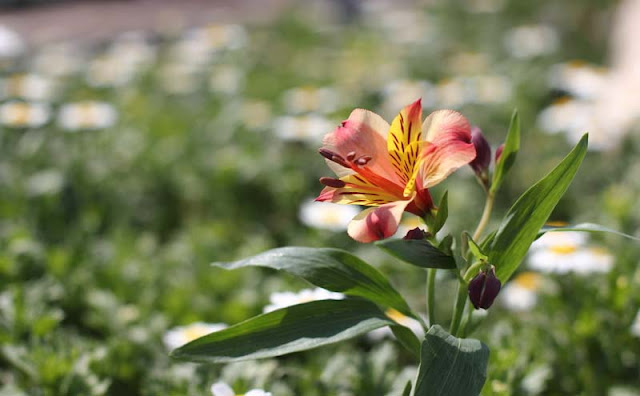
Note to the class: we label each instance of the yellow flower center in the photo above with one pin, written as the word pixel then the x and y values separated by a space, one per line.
pixel 18 114
pixel 194 332
pixel 528 280
pixel 563 249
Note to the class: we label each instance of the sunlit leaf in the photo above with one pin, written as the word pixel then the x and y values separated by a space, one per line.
pixel 331 269
pixel 523 221
pixel 292 329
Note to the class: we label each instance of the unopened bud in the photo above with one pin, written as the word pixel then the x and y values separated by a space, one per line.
pixel 416 233
pixel 483 151
pixel 499 152
pixel 484 288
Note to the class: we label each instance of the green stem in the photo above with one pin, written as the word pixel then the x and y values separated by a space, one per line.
pixel 471 271
pixel 461 298
pixel 431 300
pixel 484 220
pixel 458 309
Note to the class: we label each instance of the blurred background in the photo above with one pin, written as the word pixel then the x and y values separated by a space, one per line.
pixel 142 140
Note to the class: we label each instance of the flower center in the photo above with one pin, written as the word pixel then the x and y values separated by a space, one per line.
pixel 563 249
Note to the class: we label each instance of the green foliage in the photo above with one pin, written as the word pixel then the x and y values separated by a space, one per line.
pixel 508 157
pixel 287 330
pixel 420 253
pixel 524 219
pixel 332 269
pixel 450 365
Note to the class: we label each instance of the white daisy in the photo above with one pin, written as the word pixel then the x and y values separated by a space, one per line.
pixel 310 99
pixel 521 293
pixel 452 93
pixel 327 216
pixel 579 79
pixel 280 300
pixel 256 114
pixel 57 60
pixel 306 128
pixel 563 252
pixel 45 182
pixel 87 115
pixel 223 389
pixel 226 79
pixel 529 41
pixel 490 88
pixel 18 114
pixel 397 93
pixel 27 86
pixel 11 44
pixel 178 336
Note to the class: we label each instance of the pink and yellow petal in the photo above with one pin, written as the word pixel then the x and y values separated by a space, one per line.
pixel 356 191
pixel 378 223
pixel 439 161
pixel 404 136
pixel 446 124
pixel 363 135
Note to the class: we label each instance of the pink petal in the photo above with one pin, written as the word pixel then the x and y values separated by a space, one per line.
pixel 377 223
pixel 440 161
pixel 449 146
pixel 446 124
pixel 363 134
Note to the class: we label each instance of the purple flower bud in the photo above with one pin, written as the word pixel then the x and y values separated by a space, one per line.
pixel 499 152
pixel 483 151
pixel 484 288
pixel 416 233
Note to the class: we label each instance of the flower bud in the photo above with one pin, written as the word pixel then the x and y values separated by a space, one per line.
pixel 499 152
pixel 416 233
pixel 483 151
pixel 484 288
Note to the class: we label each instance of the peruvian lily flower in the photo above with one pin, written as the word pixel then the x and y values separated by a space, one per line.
pixel 391 167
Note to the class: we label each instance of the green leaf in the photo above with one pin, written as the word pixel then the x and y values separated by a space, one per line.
pixel 508 157
pixel 331 269
pixel 475 249
pixel 407 338
pixel 586 227
pixel 451 366
pixel 435 223
pixel 407 389
pixel 523 221
pixel 446 245
pixel 292 329
pixel 420 253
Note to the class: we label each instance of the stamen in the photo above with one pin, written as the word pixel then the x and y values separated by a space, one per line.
pixel 331 156
pixel 363 160
pixel 331 182
pixel 351 156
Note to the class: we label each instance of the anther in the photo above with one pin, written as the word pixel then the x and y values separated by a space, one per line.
pixel 331 182
pixel 351 156
pixel 363 160
pixel 331 156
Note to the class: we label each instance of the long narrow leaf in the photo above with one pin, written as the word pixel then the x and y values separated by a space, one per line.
pixel 332 269
pixel 292 329
pixel 508 157
pixel 523 221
